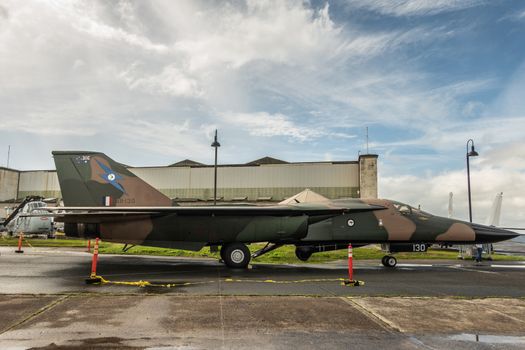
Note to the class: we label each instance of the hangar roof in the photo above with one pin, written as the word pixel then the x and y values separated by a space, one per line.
pixel 267 160
pixel 186 162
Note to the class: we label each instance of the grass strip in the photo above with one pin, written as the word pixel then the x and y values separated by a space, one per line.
pixel 285 254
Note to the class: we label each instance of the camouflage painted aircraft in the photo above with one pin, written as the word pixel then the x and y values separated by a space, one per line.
pixel 104 199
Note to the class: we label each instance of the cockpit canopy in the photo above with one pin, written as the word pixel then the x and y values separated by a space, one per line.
pixel 406 209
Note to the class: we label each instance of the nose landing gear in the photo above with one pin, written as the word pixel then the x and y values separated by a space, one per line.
pixel 389 261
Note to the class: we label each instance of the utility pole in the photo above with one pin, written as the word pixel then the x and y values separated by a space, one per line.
pixel 215 145
pixel 8 155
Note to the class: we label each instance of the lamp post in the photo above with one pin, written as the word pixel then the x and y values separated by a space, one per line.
pixel 472 153
pixel 215 145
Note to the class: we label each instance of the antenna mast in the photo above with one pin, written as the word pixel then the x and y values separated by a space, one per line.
pixel 367 152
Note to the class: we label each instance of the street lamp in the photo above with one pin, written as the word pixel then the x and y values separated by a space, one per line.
pixel 472 153
pixel 215 145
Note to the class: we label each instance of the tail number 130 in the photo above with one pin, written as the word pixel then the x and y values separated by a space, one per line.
pixel 419 247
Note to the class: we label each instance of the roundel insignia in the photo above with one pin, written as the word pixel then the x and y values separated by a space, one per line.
pixel 350 222
pixel 109 176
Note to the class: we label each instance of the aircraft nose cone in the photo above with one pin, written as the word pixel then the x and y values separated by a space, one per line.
pixel 491 234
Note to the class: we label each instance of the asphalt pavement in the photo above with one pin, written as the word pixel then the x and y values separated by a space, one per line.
pixel 181 303
pixel 51 271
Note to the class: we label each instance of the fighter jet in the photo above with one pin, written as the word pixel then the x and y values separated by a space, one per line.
pixel 102 198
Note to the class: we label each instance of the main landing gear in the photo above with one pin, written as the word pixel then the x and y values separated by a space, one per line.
pixel 235 255
pixel 389 261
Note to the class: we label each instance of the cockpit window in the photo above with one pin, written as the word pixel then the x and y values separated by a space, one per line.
pixel 30 207
pixel 406 209
pixel 403 208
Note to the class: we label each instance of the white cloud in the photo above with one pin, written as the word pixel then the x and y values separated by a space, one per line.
pixel 267 125
pixel 402 99
pixel 172 139
pixel 509 154
pixel 78 64
pixel 500 166
pixel 514 15
pixel 158 77
pixel 85 17
pixel 171 81
pixel 415 7
pixel 49 124
pixel 233 36
pixel 431 192
pixel 4 14
pixel 263 124
pixel 510 100
pixel 487 132
pixel 210 53
pixel 499 129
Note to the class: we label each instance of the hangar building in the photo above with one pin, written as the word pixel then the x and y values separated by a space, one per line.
pixel 265 179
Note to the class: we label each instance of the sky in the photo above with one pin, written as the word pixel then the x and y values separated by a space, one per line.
pixel 148 82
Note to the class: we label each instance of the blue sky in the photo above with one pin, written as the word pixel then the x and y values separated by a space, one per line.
pixel 148 82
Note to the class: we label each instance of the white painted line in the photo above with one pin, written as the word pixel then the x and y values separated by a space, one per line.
pixel 510 266
pixel 459 267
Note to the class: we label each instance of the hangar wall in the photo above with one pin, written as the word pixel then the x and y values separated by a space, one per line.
pixel 8 184
pixel 264 182
pixel 41 182
pixel 266 179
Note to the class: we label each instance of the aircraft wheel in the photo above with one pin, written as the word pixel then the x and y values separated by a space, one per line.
pixel 236 255
pixel 389 261
pixel 303 254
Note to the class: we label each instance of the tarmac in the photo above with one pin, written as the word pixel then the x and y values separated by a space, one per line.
pixel 200 304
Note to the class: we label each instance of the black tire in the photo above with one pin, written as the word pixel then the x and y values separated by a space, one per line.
pixel 236 255
pixel 383 260
pixel 390 261
pixel 302 253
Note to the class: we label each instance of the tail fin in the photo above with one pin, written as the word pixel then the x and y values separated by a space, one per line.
pixel 93 179
pixel 495 212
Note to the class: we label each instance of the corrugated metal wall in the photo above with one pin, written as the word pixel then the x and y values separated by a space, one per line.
pixel 274 180
pixel 278 181
pixel 269 176
pixel 42 183
pixel 8 184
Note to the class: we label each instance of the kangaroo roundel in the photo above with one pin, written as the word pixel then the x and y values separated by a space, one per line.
pixel 110 176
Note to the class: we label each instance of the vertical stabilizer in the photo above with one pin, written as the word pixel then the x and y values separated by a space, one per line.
pixel 495 212
pixel 93 179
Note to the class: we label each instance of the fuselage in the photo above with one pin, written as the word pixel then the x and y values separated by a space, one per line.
pixel 401 223
pixel 396 222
